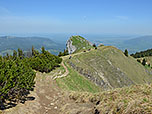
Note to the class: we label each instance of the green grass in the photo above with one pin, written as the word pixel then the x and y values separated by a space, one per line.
pixel 113 65
pixel 75 82
pixel 149 61
pixel 80 43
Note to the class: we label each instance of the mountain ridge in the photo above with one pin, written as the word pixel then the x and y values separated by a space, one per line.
pixel 107 67
pixel 25 43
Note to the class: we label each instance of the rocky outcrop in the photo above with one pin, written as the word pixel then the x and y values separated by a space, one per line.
pixel 77 44
pixel 99 78
pixel 71 48
pixel 90 75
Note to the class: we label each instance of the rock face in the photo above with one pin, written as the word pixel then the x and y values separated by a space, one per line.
pixel 99 79
pixel 77 43
pixel 71 48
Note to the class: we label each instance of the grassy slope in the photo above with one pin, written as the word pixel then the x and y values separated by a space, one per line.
pixel 134 70
pixel 149 60
pixel 128 100
pixel 75 82
pixel 99 61
pixel 80 42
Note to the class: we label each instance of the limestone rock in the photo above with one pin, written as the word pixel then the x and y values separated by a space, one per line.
pixel 71 48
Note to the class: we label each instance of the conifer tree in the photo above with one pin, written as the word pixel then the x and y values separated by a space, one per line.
pixel 20 53
pixel 7 56
pixel 144 62
pixel 14 55
pixel 139 60
pixel 60 54
pixel 33 51
pixel 126 52
pixel 43 50
pixel 94 45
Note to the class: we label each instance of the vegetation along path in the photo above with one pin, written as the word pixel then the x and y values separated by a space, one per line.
pixel 47 98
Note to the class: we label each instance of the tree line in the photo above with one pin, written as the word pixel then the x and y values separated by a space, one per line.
pixel 64 53
pixel 142 54
pixel 17 75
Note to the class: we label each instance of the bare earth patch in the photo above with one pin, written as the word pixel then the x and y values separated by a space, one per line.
pixel 48 98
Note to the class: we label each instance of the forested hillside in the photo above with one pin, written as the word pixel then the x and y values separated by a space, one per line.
pixel 142 53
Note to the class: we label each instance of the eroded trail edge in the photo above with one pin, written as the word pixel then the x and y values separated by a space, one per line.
pixel 65 74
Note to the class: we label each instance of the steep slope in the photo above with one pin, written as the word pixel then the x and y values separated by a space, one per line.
pixel 109 68
pixel 77 44
pixel 74 81
pixel 8 43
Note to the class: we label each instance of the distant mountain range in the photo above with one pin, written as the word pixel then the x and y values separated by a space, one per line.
pixel 9 43
pixel 132 44
pixel 138 44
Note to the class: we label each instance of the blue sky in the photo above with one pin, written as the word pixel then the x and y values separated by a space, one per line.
pixel 76 16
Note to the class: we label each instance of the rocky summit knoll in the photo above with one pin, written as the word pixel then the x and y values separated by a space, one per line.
pixel 77 43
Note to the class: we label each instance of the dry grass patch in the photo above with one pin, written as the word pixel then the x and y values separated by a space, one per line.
pixel 129 100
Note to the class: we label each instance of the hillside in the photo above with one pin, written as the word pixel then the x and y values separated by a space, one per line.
pixel 109 68
pixel 77 44
pixel 74 81
pixel 9 43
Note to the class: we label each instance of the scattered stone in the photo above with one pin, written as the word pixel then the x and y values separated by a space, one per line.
pixel 52 104
pixel 55 107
